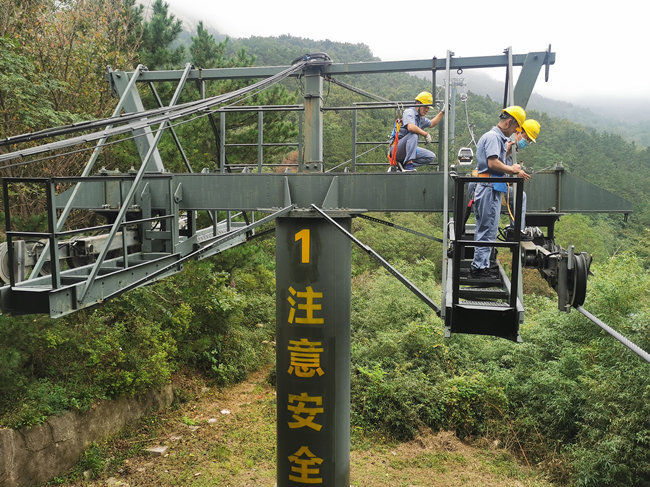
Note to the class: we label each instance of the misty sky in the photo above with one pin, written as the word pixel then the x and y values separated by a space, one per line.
pixel 600 52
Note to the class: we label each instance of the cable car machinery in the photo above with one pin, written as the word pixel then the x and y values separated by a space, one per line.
pixel 152 214
pixel 157 197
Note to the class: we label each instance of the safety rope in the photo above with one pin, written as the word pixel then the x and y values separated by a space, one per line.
pixel 392 155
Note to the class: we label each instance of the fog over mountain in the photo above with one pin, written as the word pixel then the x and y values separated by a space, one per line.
pixel 628 116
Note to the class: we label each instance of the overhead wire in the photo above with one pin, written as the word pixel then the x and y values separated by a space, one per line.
pixel 174 113
pixel 118 141
pixel 469 126
pixel 124 139
pixel 89 124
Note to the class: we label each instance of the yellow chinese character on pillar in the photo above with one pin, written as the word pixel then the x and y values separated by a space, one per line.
pixel 307 305
pixel 301 466
pixel 303 415
pixel 305 358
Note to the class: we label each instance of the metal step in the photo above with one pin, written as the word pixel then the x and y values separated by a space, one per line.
pixel 477 293
pixel 39 296
pixel 483 306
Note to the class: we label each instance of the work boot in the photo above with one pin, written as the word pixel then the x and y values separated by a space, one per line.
pixel 408 167
pixel 486 273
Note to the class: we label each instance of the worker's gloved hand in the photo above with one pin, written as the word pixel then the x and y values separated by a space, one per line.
pixel 428 138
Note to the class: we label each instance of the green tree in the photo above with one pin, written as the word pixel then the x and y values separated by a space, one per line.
pixel 158 34
pixel 133 19
pixel 205 52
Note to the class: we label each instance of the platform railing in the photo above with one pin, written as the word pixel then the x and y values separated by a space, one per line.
pixel 459 243
pixel 53 235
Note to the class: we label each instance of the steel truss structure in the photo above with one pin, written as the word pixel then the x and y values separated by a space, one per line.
pixel 152 225
pixel 152 203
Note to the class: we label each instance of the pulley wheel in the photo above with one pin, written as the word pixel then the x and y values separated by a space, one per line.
pixel 77 259
pixel 578 281
pixel 4 263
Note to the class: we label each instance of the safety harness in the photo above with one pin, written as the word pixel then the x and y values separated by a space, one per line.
pixel 392 147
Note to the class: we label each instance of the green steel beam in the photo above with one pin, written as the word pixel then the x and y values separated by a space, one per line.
pixel 571 194
pixel 345 68
pixel 378 192
pixel 313 116
pixel 342 191
pixel 528 77
pixel 133 103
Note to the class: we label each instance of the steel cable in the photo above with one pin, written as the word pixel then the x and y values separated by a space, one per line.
pixel 174 113
pixel 359 155
pixel 621 338
pixel 357 90
pixel 131 137
pixel 89 124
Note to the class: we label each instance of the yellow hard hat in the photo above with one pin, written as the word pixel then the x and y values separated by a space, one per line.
pixel 516 112
pixel 531 127
pixel 425 98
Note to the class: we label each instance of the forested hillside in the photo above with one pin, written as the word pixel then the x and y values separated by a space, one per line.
pixel 569 400
pixel 624 118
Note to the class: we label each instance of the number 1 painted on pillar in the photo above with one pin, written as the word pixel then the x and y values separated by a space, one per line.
pixel 304 236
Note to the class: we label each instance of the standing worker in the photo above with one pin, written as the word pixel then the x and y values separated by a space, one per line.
pixel 408 154
pixel 528 135
pixel 490 162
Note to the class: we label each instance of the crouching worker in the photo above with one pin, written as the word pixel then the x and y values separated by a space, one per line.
pixel 408 154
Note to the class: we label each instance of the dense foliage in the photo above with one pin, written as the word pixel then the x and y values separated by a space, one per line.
pixel 213 321
pixel 569 398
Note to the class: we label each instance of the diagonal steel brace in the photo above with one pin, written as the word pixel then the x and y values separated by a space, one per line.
pixel 412 287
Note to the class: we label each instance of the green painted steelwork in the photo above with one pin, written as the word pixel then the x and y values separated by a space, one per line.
pixel 313 116
pixel 133 103
pixel 313 332
pixel 347 68
pixel 528 76
pixel 555 191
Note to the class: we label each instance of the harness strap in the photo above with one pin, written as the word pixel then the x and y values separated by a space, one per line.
pixel 392 156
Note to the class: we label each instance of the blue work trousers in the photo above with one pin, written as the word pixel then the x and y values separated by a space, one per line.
pixel 487 207
pixel 408 150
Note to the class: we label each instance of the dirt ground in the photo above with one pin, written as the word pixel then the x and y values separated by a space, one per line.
pixel 226 438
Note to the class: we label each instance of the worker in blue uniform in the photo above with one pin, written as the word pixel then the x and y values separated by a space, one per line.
pixel 409 155
pixel 490 162
pixel 528 135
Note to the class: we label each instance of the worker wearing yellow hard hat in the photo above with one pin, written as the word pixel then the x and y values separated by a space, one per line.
pixel 516 112
pixel 408 155
pixel 529 133
pixel 531 128
pixel 491 159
